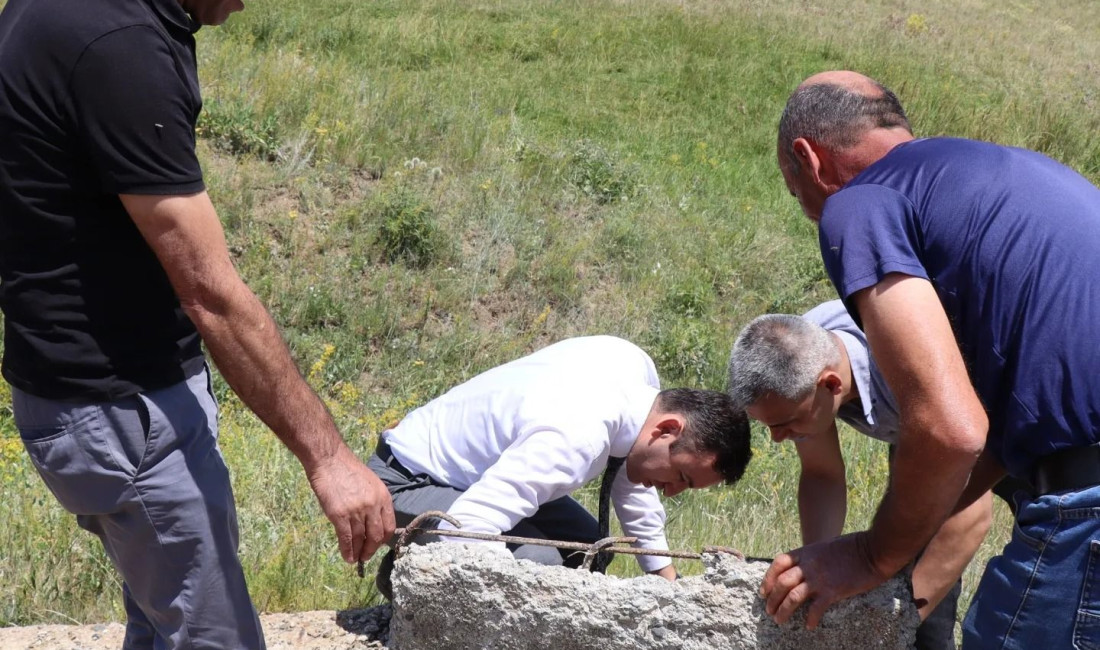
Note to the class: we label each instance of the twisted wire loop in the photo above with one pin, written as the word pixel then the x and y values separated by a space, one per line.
pixel 729 550
pixel 600 544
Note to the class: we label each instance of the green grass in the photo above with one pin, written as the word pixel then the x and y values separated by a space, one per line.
pixel 420 191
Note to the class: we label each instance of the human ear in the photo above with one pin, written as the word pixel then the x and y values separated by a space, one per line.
pixel 670 425
pixel 815 161
pixel 831 381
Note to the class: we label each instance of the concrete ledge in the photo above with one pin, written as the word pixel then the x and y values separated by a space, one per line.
pixel 465 596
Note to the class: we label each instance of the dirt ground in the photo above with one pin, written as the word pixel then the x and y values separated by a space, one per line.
pixel 346 630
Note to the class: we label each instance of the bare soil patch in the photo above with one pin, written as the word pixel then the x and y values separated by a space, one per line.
pixel 352 629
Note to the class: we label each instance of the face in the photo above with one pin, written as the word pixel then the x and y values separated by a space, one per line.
pixel 211 12
pixel 654 464
pixel 796 420
pixel 802 187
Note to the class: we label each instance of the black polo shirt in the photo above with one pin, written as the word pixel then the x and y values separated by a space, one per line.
pixel 97 98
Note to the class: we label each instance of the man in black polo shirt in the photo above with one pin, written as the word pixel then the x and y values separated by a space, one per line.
pixel 114 266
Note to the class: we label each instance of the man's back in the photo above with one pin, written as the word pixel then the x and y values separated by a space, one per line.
pixel 584 389
pixel 97 98
pixel 1009 239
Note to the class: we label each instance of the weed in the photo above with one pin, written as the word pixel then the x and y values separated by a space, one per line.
pixel 916 24
pixel 599 176
pixel 683 351
pixel 689 298
pixel 235 128
pixel 407 228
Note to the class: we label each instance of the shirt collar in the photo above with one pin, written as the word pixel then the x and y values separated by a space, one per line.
pixel 174 17
pixel 860 362
pixel 639 402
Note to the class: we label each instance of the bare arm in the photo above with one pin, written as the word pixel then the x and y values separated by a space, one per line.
pixel 245 344
pixel 943 424
pixel 947 555
pixel 985 475
pixel 822 487
pixel 943 431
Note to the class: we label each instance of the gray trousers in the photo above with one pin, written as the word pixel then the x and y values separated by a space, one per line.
pixel 145 475
pixel 562 519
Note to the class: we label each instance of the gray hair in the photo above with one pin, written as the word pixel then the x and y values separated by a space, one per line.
pixel 780 354
pixel 835 117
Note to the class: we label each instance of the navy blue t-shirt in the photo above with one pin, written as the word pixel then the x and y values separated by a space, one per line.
pixel 97 98
pixel 1010 239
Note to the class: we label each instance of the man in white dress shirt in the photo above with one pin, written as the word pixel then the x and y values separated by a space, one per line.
pixel 502 452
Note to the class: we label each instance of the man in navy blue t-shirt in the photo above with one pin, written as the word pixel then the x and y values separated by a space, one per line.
pixel 973 269
pixel 113 266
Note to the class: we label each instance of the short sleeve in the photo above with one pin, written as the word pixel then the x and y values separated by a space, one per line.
pixel 867 232
pixel 135 113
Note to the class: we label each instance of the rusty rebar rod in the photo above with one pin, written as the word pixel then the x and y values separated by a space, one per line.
pixel 570 546
pixel 404 536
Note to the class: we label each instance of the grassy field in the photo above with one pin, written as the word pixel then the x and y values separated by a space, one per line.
pixel 420 191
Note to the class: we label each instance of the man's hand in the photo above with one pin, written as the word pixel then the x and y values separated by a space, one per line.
pixel 356 502
pixel 819 574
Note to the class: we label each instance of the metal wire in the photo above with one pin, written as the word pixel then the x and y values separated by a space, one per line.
pixel 404 536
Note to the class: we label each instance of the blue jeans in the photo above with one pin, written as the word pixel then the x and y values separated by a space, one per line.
pixel 1043 591
pixel 145 475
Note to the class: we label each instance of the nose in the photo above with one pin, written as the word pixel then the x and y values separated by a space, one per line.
pixel 779 434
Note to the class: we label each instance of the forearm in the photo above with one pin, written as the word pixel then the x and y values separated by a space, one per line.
pixel 986 473
pixel 248 350
pixel 943 423
pixel 950 551
pixel 917 502
pixel 186 236
pixel 667 572
pixel 822 508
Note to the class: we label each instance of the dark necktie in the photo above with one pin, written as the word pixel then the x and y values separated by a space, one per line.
pixel 604 520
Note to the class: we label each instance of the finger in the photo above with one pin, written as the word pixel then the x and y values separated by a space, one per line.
pixel 343 538
pixel 380 519
pixel 781 563
pixel 389 518
pixel 816 611
pixel 795 598
pixel 375 533
pixel 781 587
pixel 358 535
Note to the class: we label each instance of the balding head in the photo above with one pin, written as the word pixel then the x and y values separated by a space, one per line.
pixel 851 81
pixel 835 110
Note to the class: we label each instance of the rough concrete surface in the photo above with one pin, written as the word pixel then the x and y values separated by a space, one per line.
pixel 450 596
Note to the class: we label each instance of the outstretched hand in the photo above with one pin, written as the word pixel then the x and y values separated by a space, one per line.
pixel 356 502
pixel 819 575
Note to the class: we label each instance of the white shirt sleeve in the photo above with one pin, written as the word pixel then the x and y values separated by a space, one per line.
pixel 540 466
pixel 641 515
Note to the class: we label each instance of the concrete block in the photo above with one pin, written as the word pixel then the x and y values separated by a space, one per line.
pixel 465 596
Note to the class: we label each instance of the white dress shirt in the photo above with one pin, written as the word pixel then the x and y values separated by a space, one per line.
pixel 536 429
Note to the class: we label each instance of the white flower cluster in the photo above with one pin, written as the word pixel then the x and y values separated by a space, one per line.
pixel 416 165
